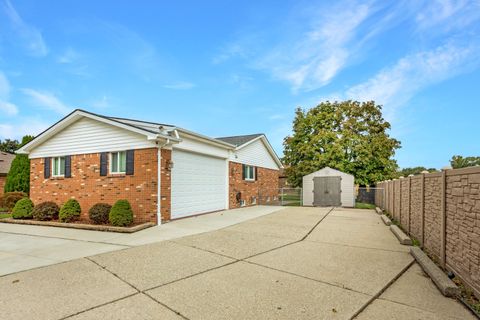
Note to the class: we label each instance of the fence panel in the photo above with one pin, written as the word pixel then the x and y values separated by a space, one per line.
pixel 442 211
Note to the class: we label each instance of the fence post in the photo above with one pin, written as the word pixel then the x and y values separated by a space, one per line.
pixel 409 201
pixel 422 207
pixel 400 202
pixel 443 212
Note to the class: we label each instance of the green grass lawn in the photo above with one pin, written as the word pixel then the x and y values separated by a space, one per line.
pixel 361 205
pixel 290 197
pixel 5 215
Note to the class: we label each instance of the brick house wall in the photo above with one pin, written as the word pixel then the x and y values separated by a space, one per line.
pixel 3 179
pixel 88 187
pixel 264 189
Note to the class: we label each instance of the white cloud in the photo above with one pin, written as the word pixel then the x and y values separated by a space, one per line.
pixel 102 103
pixel 4 86
pixel 24 126
pixel 181 85
pixel 6 108
pixel 29 36
pixel 68 56
pixel 47 100
pixel 324 49
pixel 445 15
pixel 397 84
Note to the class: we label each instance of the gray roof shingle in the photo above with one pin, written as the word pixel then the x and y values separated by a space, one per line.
pixel 239 140
pixel 5 162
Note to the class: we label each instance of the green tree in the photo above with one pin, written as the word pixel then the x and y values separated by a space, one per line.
pixel 405 172
pixel 349 136
pixel 463 162
pixel 8 145
pixel 18 178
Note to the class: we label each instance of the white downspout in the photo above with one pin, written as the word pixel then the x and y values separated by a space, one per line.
pixel 159 181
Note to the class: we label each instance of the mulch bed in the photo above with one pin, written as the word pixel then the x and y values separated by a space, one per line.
pixel 85 225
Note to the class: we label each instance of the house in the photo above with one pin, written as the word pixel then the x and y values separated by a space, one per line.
pixel 328 187
pixel 94 158
pixel 5 163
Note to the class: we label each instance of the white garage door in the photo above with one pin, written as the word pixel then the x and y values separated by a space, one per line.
pixel 198 184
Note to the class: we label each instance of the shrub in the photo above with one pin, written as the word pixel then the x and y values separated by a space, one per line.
pixel 23 209
pixel 70 211
pixel 121 214
pixel 45 211
pixel 9 199
pixel 99 213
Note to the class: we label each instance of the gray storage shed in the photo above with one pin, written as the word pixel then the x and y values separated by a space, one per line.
pixel 328 187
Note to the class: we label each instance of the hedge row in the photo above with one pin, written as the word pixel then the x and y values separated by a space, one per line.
pixel 120 215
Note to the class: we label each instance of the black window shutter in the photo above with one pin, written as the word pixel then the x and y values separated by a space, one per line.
pixel 130 162
pixel 68 166
pixel 256 173
pixel 46 167
pixel 103 163
pixel 244 173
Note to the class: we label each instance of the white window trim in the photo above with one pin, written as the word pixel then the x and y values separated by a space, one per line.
pixel 118 163
pixel 59 163
pixel 253 172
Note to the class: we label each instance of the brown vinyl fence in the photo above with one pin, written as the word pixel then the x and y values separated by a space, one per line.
pixel 442 211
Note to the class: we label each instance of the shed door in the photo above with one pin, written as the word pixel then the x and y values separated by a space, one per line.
pixel 199 184
pixel 326 191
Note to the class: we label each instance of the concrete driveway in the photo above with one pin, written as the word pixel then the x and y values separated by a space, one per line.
pixel 295 263
pixel 24 247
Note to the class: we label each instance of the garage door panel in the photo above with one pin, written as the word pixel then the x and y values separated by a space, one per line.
pixel 198 184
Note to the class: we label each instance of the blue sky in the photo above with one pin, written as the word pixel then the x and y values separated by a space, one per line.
pixel 237 67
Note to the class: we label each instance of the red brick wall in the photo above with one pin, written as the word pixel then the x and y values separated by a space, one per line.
pixel 3 179
pixel 88 187
pixel 266 185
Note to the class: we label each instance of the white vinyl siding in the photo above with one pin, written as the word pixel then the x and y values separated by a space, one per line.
pixel 58 166
pixel 198 184
pixel 189 143
pixel 347 186
pixel 255 154
pixel 118 162
pixel 90 136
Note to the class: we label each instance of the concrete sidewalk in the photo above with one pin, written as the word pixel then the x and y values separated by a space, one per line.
pixel 297 263
pixel 24 247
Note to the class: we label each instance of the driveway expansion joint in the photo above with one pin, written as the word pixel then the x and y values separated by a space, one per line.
pixel 382 290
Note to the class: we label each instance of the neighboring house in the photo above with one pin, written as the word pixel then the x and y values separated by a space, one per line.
pixel 5 163
pixel 94 158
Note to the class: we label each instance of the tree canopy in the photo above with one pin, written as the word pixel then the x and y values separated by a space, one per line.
pixel 405 172
pixel 463 162
pixel 18 178
pixel 349 136
pixel 11 145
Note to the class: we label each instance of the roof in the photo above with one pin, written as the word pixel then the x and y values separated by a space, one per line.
pixel 327 170
pixel 152 131
pixel 240 140
pixel 5 162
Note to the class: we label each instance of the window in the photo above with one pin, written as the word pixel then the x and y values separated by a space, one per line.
pixel 118 162
pixel 249 173
pixel 58 166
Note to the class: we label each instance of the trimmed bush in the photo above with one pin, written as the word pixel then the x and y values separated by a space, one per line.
pixel 23 209
pixel 99 213
pixel 121 214
pixel 9 199
pixel 46 211
pixel 70 211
